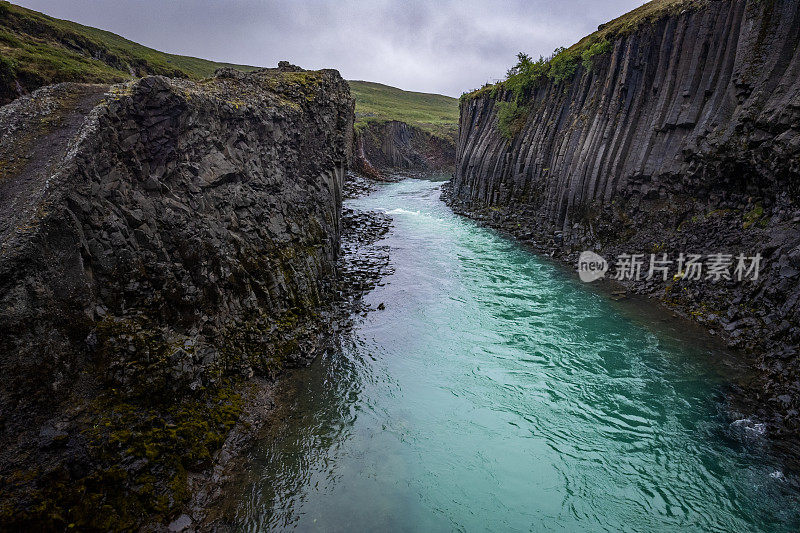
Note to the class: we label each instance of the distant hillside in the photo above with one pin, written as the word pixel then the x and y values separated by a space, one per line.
pixel 37 50
pixel 435 113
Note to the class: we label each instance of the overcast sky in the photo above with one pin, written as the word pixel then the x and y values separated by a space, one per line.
pixel 446 46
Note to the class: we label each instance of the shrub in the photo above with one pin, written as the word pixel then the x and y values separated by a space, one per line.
pixel 510 118
pixel 563 64
pixel 525 76
pixel 599 48
pixel 528 74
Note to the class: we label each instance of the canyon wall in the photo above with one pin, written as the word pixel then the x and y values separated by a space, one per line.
pixel 685 137
pixel 392 146
pixel 159 238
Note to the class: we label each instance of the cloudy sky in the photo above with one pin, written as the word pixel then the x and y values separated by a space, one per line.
pixel 446 46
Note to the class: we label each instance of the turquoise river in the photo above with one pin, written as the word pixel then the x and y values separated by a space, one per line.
pixel 496 392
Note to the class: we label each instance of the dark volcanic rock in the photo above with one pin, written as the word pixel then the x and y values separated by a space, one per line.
pixel 397 147
pixel 195 211
pixel 160 236
pixel 685 138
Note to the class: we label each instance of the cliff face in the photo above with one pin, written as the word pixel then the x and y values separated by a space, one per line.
pixel 394 146
pixel 684 138
pixel 157 238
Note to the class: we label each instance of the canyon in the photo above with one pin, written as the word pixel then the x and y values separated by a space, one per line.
pixel 195 277
pixel 161 240
pixel 401 132
pixel 395 147
pixel 683 136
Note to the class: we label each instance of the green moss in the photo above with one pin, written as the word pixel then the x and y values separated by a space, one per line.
pixel 141 351
pixel 267 343
pixel 718 212
pixel 753 216
pixel 166 441
pixel 307 82
pixel 143 443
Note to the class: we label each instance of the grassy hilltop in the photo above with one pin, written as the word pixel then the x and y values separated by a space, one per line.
pixel 37 50
pixel 435 113
pixel 530 73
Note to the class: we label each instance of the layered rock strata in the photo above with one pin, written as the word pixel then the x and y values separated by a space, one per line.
pixel 383 148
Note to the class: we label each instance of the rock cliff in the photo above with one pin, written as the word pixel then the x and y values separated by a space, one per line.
pixel 395 146
pixel 683 136
pixel 159 239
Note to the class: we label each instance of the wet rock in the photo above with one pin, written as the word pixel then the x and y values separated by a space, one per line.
pixel 182 523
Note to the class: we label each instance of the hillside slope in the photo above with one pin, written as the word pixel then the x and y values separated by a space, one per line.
pixel 38 50
pixel 375 102
pixel 674 129
pixel 397 130
pixel 402 131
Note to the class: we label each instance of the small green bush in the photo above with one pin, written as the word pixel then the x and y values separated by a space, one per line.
pixel 563 65
pixel 510 118
pixel 525 76
pixel 599 48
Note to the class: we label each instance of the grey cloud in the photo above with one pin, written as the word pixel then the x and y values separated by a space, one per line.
pixel 446 47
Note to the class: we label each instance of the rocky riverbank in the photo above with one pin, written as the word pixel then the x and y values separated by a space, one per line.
pixel 163 243
pixel 681 137
pixel 362 263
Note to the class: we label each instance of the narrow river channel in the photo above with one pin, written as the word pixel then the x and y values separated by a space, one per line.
pixel 495 392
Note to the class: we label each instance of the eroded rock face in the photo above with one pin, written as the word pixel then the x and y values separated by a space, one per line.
pixel 163 233
pixel 685 138
pixel 385 147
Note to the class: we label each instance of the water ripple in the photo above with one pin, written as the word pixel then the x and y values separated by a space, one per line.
pixel 496 393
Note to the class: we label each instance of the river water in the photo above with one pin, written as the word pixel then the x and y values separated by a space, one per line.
pixel 496 392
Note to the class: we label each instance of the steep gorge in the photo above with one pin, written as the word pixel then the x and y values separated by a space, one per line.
pixel 403 132
pixel 395 146
pixel 161 240
pixel 683 138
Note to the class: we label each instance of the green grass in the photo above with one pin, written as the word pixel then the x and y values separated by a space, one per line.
pixel 434 113
pixel 528 74
pixel 37 50
pixel 511 118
